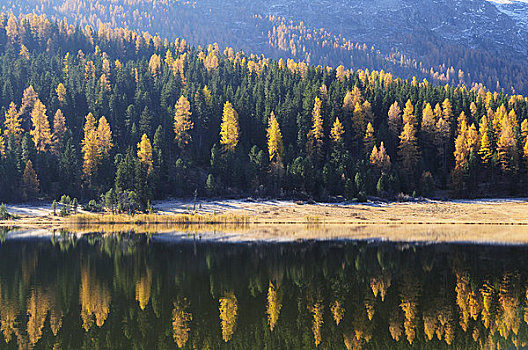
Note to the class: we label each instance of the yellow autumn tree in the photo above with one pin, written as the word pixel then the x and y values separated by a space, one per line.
pixel 2 145
pixel 380 160
pixel 337 131
pixel 30 181
pixel 461 148
pixel 12 123
pixel 104 136
pixel 408 149
pixel 59 130
pixel 40 131
pixel 275 145
pixel 506 146
pixel 428 124
pixel 229 129
pixel 90 147
pixel 182 122
pixel 316 133
pixel 61 92
pixel 395 120
pixel 369 140
pixel 144 152
pixel 447 112
pixel 485 148
pixel 408 114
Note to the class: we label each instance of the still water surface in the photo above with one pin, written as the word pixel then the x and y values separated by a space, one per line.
pixel 133 291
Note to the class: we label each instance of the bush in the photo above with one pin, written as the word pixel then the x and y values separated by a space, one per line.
pixel 4 215
pixel 93 206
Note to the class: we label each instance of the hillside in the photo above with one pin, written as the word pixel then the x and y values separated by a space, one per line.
pixel 447 41
pixel 133 117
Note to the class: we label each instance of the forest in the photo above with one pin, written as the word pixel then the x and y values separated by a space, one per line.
pixel 244 27
pixel 111 114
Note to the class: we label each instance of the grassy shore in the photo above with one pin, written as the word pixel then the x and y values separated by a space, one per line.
pixel 275 212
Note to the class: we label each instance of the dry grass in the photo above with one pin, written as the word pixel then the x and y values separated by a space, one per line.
pixel 153 219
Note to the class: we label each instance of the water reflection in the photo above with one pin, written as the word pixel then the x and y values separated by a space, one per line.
pixel 128 291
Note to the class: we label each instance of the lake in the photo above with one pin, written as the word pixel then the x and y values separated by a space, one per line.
pixel 148 291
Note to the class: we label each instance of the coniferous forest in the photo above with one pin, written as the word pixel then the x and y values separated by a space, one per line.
pixel 92 112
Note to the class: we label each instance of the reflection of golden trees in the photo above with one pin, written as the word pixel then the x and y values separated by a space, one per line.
pixel 369 307
pixel 180 322
pixel 338 311
pixel 317 310
pixel 38 306
pixel 94 298
pixel 462 299
pixel 228 315
pixel 486 291
pixel 395 325
pixel 508 319
pixel 8 314
pixel 380 285
pixel 143 287
pixel 273 305
pixel 409 300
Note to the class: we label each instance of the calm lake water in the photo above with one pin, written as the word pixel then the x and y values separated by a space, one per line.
pixel 135 291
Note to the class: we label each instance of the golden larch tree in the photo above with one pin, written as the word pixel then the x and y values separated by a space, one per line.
pixel 428 124
pixel 229 129
pixel 2 144
pixel 524 129
pixel 182 122
pixel 275 145
pixel 30 181
pixel 144 152
pixel 61 92
pixel 408 114
pixel 506 146
pixel 28 100
pixel 461 148
pixel 473 139
pixel 369 140
pixel 104 136
pixel 447 112
pixel 59 129
pixel 337 131
pixel 316 133
pixel 90 147
pixel 408 148
pixel 485 148
pixel 380 160
pixel 395 120
pixel 40 131
pixel 12 123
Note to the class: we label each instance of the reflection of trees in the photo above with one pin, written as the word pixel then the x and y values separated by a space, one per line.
pixel 508 318
pixel 273 305
pixel 143 287
pixel 380 284
pixel 317 309
pixel 409 304
pixel 228 315
pixel 8 314
pixel 181 319
pixel 338 311
pixel 94 298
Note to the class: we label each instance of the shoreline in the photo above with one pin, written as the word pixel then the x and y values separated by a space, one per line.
pixel 495 221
